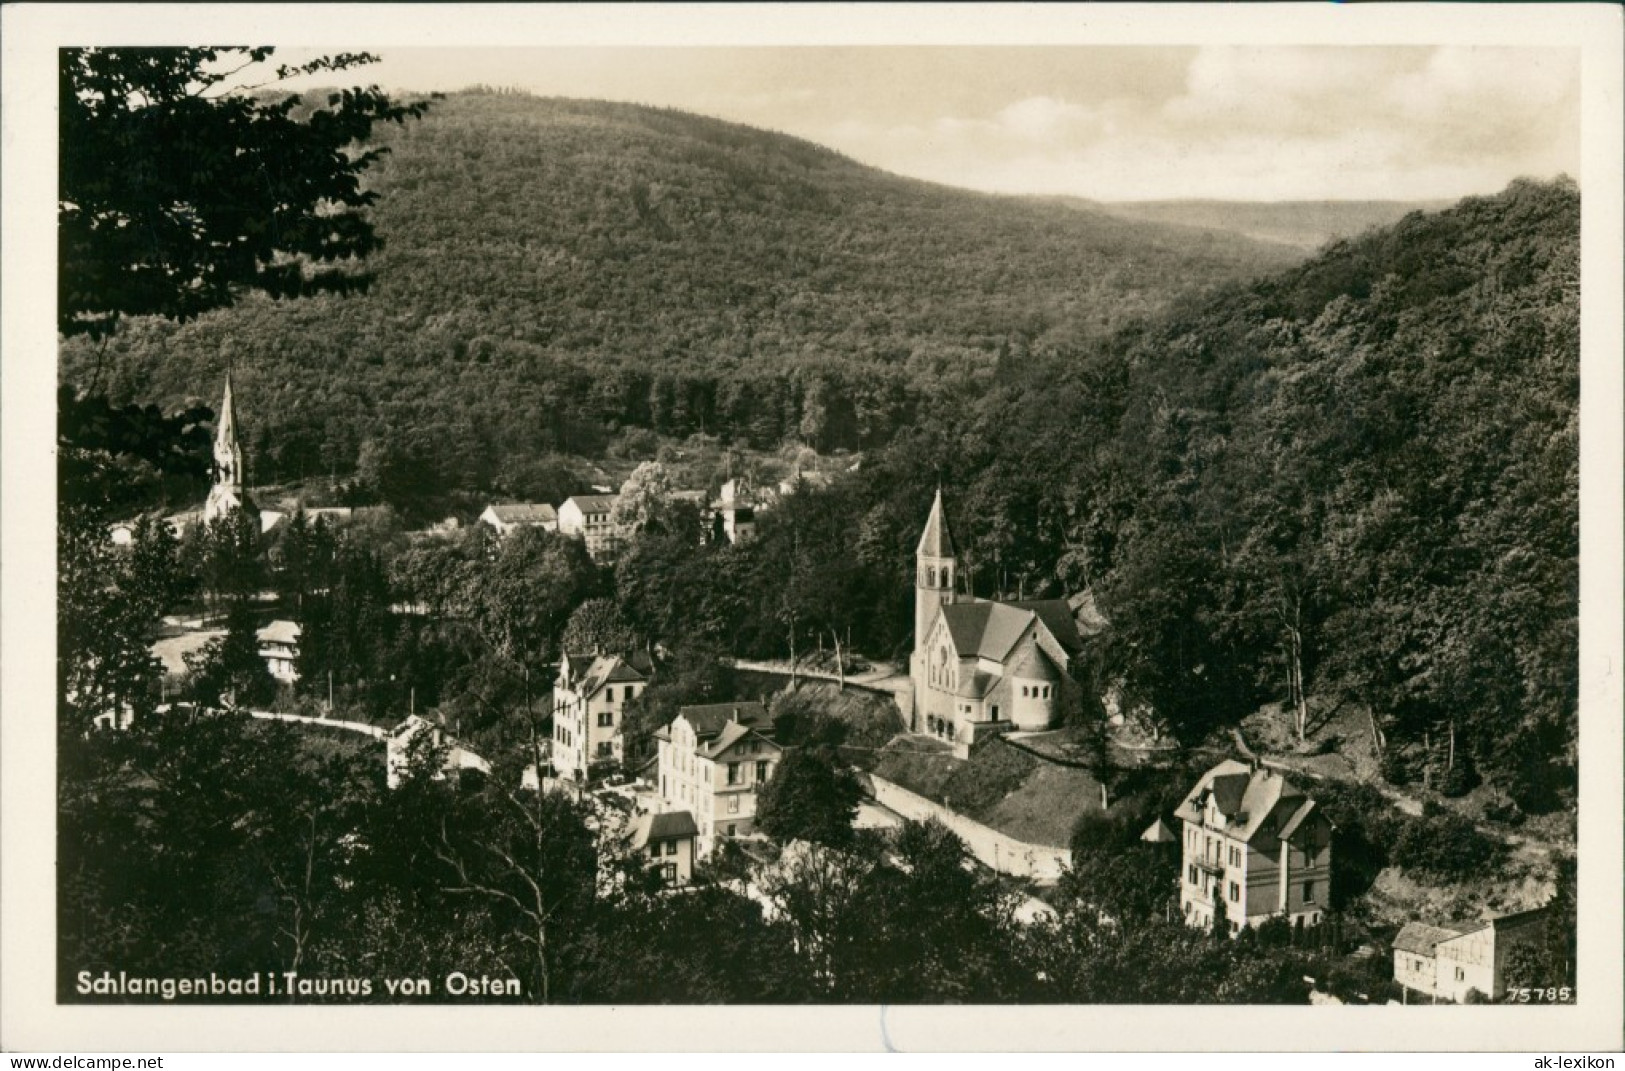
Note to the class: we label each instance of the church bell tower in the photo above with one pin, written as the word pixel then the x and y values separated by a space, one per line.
pixel 226 494
pixel 935 566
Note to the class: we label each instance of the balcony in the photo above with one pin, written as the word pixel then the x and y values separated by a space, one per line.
pixel 1209 863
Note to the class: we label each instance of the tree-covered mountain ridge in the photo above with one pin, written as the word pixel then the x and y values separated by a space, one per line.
pixel 1308 225
pixel 591 263
pixel 1355 480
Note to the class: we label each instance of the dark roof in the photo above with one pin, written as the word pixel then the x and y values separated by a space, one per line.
pixel 1057 617
pixel 667 825
pixel 709 719
pixel 731 734
pixel 936 541
pixel 1255 801
pixel 1511 918
pixel 593 503
pixel 986 629
pixel 670 824
pixel 1227 792
pixel 609 669
pixel 1422 938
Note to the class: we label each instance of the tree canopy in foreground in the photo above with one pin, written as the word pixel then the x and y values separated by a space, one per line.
pixel 180 187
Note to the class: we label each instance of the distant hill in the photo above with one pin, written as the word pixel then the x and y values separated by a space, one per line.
pixel 1305 225
pixel 555 267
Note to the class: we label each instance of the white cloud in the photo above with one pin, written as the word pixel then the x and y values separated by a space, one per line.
pixel 1252 123
pixel 1039 118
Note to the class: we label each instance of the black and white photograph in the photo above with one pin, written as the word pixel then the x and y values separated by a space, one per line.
pixel 834 517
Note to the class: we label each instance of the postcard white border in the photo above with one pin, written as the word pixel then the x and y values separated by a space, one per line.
pixel 29 1018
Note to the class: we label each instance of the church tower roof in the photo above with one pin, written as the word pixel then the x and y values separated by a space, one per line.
pixel 935 541
pixel 229 492
pixel 225 428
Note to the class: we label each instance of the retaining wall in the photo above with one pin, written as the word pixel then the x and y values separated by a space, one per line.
pixel 997 850
pixel 374 731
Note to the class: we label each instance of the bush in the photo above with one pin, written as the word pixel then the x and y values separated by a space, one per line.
pixel 1366 827
pixel 1109 831
pixel 812 796
pixel 1357 981
pixel 1504 811
pixel 1445 846
pixel 1326 745
pixel 821 714
pixel 997 770
pixel 1275 932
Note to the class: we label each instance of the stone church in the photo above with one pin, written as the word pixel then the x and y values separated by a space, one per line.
pixel 983 667
pixel 227 494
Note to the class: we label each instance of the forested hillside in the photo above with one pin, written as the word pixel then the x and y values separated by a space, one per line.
pixel 1355 480
pixel 554 267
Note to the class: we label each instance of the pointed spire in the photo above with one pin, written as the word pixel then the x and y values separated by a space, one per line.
pixel 935 541
pixel 228 492
pixel 225 425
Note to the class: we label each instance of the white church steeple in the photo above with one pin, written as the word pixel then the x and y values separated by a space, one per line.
pixel 226 494
pixel 935 566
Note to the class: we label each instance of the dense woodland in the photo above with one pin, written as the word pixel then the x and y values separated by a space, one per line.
pixel 551 269
pixel 1350 481
pixel 304 862
pixel 1355 481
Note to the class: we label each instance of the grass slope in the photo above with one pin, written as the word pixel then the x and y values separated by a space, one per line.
pixel 1000 786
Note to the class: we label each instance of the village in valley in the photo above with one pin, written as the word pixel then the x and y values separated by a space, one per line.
pixel 1254 848
pixel 580 552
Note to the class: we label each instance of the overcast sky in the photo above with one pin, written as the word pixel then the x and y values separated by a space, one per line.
pixel 1113 123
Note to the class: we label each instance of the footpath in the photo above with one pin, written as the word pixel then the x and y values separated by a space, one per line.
pixel 374 731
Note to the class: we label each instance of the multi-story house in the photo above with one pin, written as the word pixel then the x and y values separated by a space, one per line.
pixel 665 841
pixel 279 646
pixel 1450 960
pixel 736 505
pixel 589 708
pixel 587 517
pixel 1255 843
pixel 713 762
